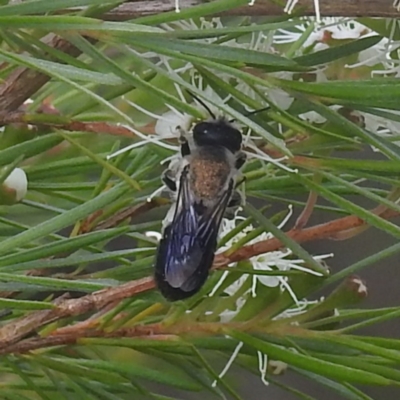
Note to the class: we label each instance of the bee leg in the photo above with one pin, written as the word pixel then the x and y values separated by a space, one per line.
pixel 185 149
pixel 240 160
pixel 235 201
pixel 168 181
pixel 241 180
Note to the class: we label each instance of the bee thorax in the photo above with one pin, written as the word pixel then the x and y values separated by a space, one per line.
pixel 210 172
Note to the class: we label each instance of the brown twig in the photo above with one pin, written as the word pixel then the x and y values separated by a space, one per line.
pixel 21 117
pixel 130 212
pixel 18 329
pixel 318 232
pixel 92 224
pixel 305 215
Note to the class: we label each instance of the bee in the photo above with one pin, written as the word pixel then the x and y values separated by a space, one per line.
pixel 204 186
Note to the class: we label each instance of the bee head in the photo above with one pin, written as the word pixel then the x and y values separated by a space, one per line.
pixel 218 132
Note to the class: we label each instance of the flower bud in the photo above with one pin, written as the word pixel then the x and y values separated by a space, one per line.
pixel 14 187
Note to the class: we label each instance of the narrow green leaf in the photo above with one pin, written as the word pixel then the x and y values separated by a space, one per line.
pixel 54 283
pixel 362 191
pixel 134 370
pixel 73 260
pixel 377 92
pixel 106 165
pixel 337 52
pixel 217 52
pixel 66 367
pixel 68 71
pixel 62 246
pixel 222 31
pixel 343 389
pixel 44 6
pixel 374 258
pixel 352 208
pixel 320 367
pixel 359 344
pixel 364 364
pixel 25 304
pixel 134 79
pixel 75 23
pixel 61 221
pixel 29 148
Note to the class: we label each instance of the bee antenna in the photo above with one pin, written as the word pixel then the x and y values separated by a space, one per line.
pixel 257 111
pixel 252 113
pixel 201 102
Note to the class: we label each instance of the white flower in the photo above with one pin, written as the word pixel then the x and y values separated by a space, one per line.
pixel 336 28
pixel 314 117
pixel 177 8
pixel 381 126
pixel 263 366
pixel 281 98
pixel 347 29
pixel 228 315
pixel 272 261
pixel 18 183
pixel 277 367
pixel 285 36
pixel 154 234
pixel 170 123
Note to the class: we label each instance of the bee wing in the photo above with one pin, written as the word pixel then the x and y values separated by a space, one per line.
pixel 192 238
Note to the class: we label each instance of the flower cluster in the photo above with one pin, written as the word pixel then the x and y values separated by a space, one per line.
pixel 313 35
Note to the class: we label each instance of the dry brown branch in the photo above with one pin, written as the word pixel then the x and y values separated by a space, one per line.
pixel 152 332
pixel 347 8
pixel 155 332
pixel 18 329
pixel 24 82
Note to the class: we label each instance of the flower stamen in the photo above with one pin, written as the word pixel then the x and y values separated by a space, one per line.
pixel 263 366
pixel 229 363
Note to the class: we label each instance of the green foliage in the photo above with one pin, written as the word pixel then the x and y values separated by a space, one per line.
pixel 119 337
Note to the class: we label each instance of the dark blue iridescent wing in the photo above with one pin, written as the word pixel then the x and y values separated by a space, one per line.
pixel 186 252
